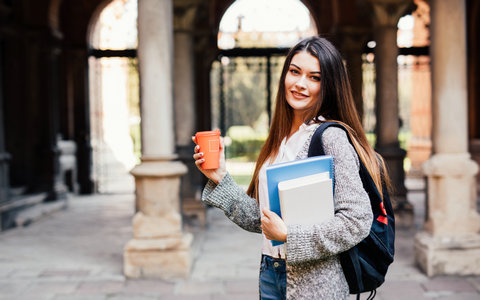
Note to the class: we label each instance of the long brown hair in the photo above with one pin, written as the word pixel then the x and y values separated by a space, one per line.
pixel 335 103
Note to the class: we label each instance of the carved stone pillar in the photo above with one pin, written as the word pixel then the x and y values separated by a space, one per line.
pixel 450 241
pixel 159 247
pixel 386 16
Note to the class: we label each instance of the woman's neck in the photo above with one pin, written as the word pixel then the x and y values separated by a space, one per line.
pixel 297 122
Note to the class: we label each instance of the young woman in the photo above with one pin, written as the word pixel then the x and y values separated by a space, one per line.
pixel 314 87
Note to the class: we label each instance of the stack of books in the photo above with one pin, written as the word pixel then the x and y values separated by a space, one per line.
pixel 301 191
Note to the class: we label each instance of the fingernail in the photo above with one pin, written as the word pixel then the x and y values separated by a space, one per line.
pixel 201 153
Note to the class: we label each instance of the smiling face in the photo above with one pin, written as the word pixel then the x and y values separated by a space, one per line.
pixel 302 82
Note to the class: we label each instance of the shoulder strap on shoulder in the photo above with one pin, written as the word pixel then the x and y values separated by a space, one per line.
pixel 316 145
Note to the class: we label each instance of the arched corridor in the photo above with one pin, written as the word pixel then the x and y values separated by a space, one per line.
pixel 47 132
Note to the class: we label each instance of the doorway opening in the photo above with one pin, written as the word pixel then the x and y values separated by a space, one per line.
pixel 114 97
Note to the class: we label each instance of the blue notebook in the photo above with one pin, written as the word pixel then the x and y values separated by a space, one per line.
pixel 294 169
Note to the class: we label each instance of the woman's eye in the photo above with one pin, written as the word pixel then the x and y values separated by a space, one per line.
pixel 293 71
pixel 316 78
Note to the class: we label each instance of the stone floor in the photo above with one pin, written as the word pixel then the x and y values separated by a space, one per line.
pixel 76 254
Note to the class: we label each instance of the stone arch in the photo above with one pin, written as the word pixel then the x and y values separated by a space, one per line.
pixel 94 18
pixel 221 8
pixel 73 22
pixel 113 95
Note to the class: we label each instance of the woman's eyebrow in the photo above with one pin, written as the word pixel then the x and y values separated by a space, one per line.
pixel 313 72
pixel 292 64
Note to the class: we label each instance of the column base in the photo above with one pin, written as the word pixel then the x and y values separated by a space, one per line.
pixel 163 258
pixel 451 200
pixel 159 248
pixel 157 187
pixel 151 227
pixel 448 255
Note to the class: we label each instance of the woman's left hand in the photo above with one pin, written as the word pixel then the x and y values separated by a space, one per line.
pixel 273 226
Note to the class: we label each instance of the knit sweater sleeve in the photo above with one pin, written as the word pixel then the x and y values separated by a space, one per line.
pixel 353 215
pixel 235 203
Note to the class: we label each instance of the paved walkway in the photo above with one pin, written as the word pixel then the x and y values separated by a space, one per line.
pixel 76 254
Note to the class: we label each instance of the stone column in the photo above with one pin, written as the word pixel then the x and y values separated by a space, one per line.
pixel 75 82
pixel 57 189
pixel 159 247
pixel 185 113
pixel 386 16
pixel 353 41
pixel 420 144
pixel 450 241
pixel 185 110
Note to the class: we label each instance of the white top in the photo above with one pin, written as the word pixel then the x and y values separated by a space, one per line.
pixel 287 152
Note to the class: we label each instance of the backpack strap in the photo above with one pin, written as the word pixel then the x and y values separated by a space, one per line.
pixel 316 145
pixel 316 149
pixel 350 259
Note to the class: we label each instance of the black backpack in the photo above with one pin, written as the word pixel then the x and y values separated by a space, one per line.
pixel 366 264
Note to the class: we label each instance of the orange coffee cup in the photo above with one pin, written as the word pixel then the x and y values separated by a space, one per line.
pixel 209 142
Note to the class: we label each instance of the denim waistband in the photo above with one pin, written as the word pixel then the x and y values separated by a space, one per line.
pixel 274 262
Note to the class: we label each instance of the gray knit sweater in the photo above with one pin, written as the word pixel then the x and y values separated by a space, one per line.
pixel 313 266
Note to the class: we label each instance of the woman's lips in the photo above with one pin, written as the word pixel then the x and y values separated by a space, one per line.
pixel 298 95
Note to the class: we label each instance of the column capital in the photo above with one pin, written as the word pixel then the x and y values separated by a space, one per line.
pixel 388 12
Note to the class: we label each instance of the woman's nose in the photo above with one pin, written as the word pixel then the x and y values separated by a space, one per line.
pixel 301 83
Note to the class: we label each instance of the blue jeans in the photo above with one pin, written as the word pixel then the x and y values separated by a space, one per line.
pixel 273 278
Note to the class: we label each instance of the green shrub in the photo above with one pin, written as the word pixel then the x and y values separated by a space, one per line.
pixel 244 142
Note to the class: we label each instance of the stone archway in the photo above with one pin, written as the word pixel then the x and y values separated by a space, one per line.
pixel 253 40
pixel 74 19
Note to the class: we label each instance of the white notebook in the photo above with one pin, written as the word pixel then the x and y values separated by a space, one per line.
pixel 306 200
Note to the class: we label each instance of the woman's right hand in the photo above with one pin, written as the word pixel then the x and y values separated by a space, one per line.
pixel 216 175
